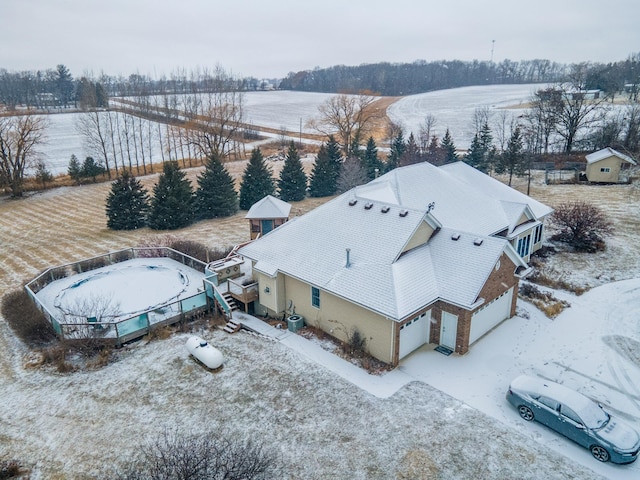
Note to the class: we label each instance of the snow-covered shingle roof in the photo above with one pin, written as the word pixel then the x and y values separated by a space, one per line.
pixel 606 153
pixel 269 207
pixel 367 220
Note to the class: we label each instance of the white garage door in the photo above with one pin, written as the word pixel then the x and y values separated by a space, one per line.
pixel 414 334
pixel 490 315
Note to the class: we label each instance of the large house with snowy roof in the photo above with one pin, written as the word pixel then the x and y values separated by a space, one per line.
pixel 422 254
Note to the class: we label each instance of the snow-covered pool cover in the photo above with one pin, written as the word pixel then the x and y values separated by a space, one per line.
pixel 122 290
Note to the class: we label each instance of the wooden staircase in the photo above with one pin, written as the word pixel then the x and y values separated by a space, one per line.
pixel 232 326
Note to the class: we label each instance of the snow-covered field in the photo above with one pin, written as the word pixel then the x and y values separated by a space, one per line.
pixel 455 108
pixel 291 111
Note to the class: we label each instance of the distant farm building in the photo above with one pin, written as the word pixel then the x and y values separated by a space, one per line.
pixel 608 166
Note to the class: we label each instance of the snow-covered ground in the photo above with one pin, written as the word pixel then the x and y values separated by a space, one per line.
pixel 455 108
pixel 291 111
pixel 326 417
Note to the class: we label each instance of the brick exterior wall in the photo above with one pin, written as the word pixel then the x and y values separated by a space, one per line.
pixel 499 281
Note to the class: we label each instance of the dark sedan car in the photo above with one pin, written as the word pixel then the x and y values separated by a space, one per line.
pixel 576 417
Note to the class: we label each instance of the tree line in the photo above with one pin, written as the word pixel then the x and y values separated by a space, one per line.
pixel 57 88
pixel 396 79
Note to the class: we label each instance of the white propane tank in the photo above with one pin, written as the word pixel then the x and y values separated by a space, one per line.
pixel 209 356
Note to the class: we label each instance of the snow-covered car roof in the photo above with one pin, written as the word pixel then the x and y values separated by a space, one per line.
pixel 590 412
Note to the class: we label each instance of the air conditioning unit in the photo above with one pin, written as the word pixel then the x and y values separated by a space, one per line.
pixel 295 322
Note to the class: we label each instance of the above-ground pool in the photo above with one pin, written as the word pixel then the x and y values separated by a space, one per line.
pixel 120 291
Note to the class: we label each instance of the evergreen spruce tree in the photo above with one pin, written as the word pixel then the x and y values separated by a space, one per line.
pixel 354 147
pixel 75 170
pixel 257 181
pixel 335 156
pixel 292 184
pixel 42 173
pixel 449 148
pixel 398 146
pixel 411 152
pixel 172 201
pixel 433 154
pixel 372 163
pixel 481 153
pixel 216 194
pixel 512 160
pixel 91 168
pixel 323 181
pixel 326 170
pixel 475 154
pixel 127 203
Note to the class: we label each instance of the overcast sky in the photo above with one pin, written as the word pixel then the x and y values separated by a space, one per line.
pixel 270 38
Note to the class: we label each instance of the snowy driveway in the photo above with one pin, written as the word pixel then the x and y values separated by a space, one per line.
pixel 592 347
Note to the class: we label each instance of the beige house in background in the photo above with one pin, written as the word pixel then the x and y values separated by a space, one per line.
pixel 422 254
pixel 608 166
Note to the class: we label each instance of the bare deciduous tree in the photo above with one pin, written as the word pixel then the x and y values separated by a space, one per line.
pixel 94 127
pixel 347 116
pixel 215 117
pixel 426 130
pixel 480 117
pixel 20 137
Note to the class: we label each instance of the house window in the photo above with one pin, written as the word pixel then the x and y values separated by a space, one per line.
pixel 538 234
pixel 605 170
pixel 255 226
pixel 315 297
pixel 523 245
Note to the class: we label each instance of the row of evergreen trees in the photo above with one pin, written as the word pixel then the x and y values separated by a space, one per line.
pixel 174 203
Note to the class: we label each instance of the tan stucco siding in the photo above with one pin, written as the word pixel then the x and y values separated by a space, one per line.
pixel 594 173
pixel 271 292
pixel 339 318
pixel 420 237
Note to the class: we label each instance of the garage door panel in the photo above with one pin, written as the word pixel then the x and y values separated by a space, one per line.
pixel 414 334
pixel 491 315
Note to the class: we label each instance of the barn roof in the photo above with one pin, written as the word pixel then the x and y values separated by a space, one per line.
pixel 606 153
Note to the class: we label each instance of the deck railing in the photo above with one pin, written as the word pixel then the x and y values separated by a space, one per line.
pixel 124 329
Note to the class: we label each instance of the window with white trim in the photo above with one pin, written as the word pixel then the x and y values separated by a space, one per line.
pixel 537 236
pixel 605 170
pixel 523 245
pixel 315 297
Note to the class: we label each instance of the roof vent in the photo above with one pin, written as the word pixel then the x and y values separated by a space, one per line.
pixel 403 213
pixel 352 202
pixel 477 242
pixel 385 209
pixel 455 237
pixel 368 206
